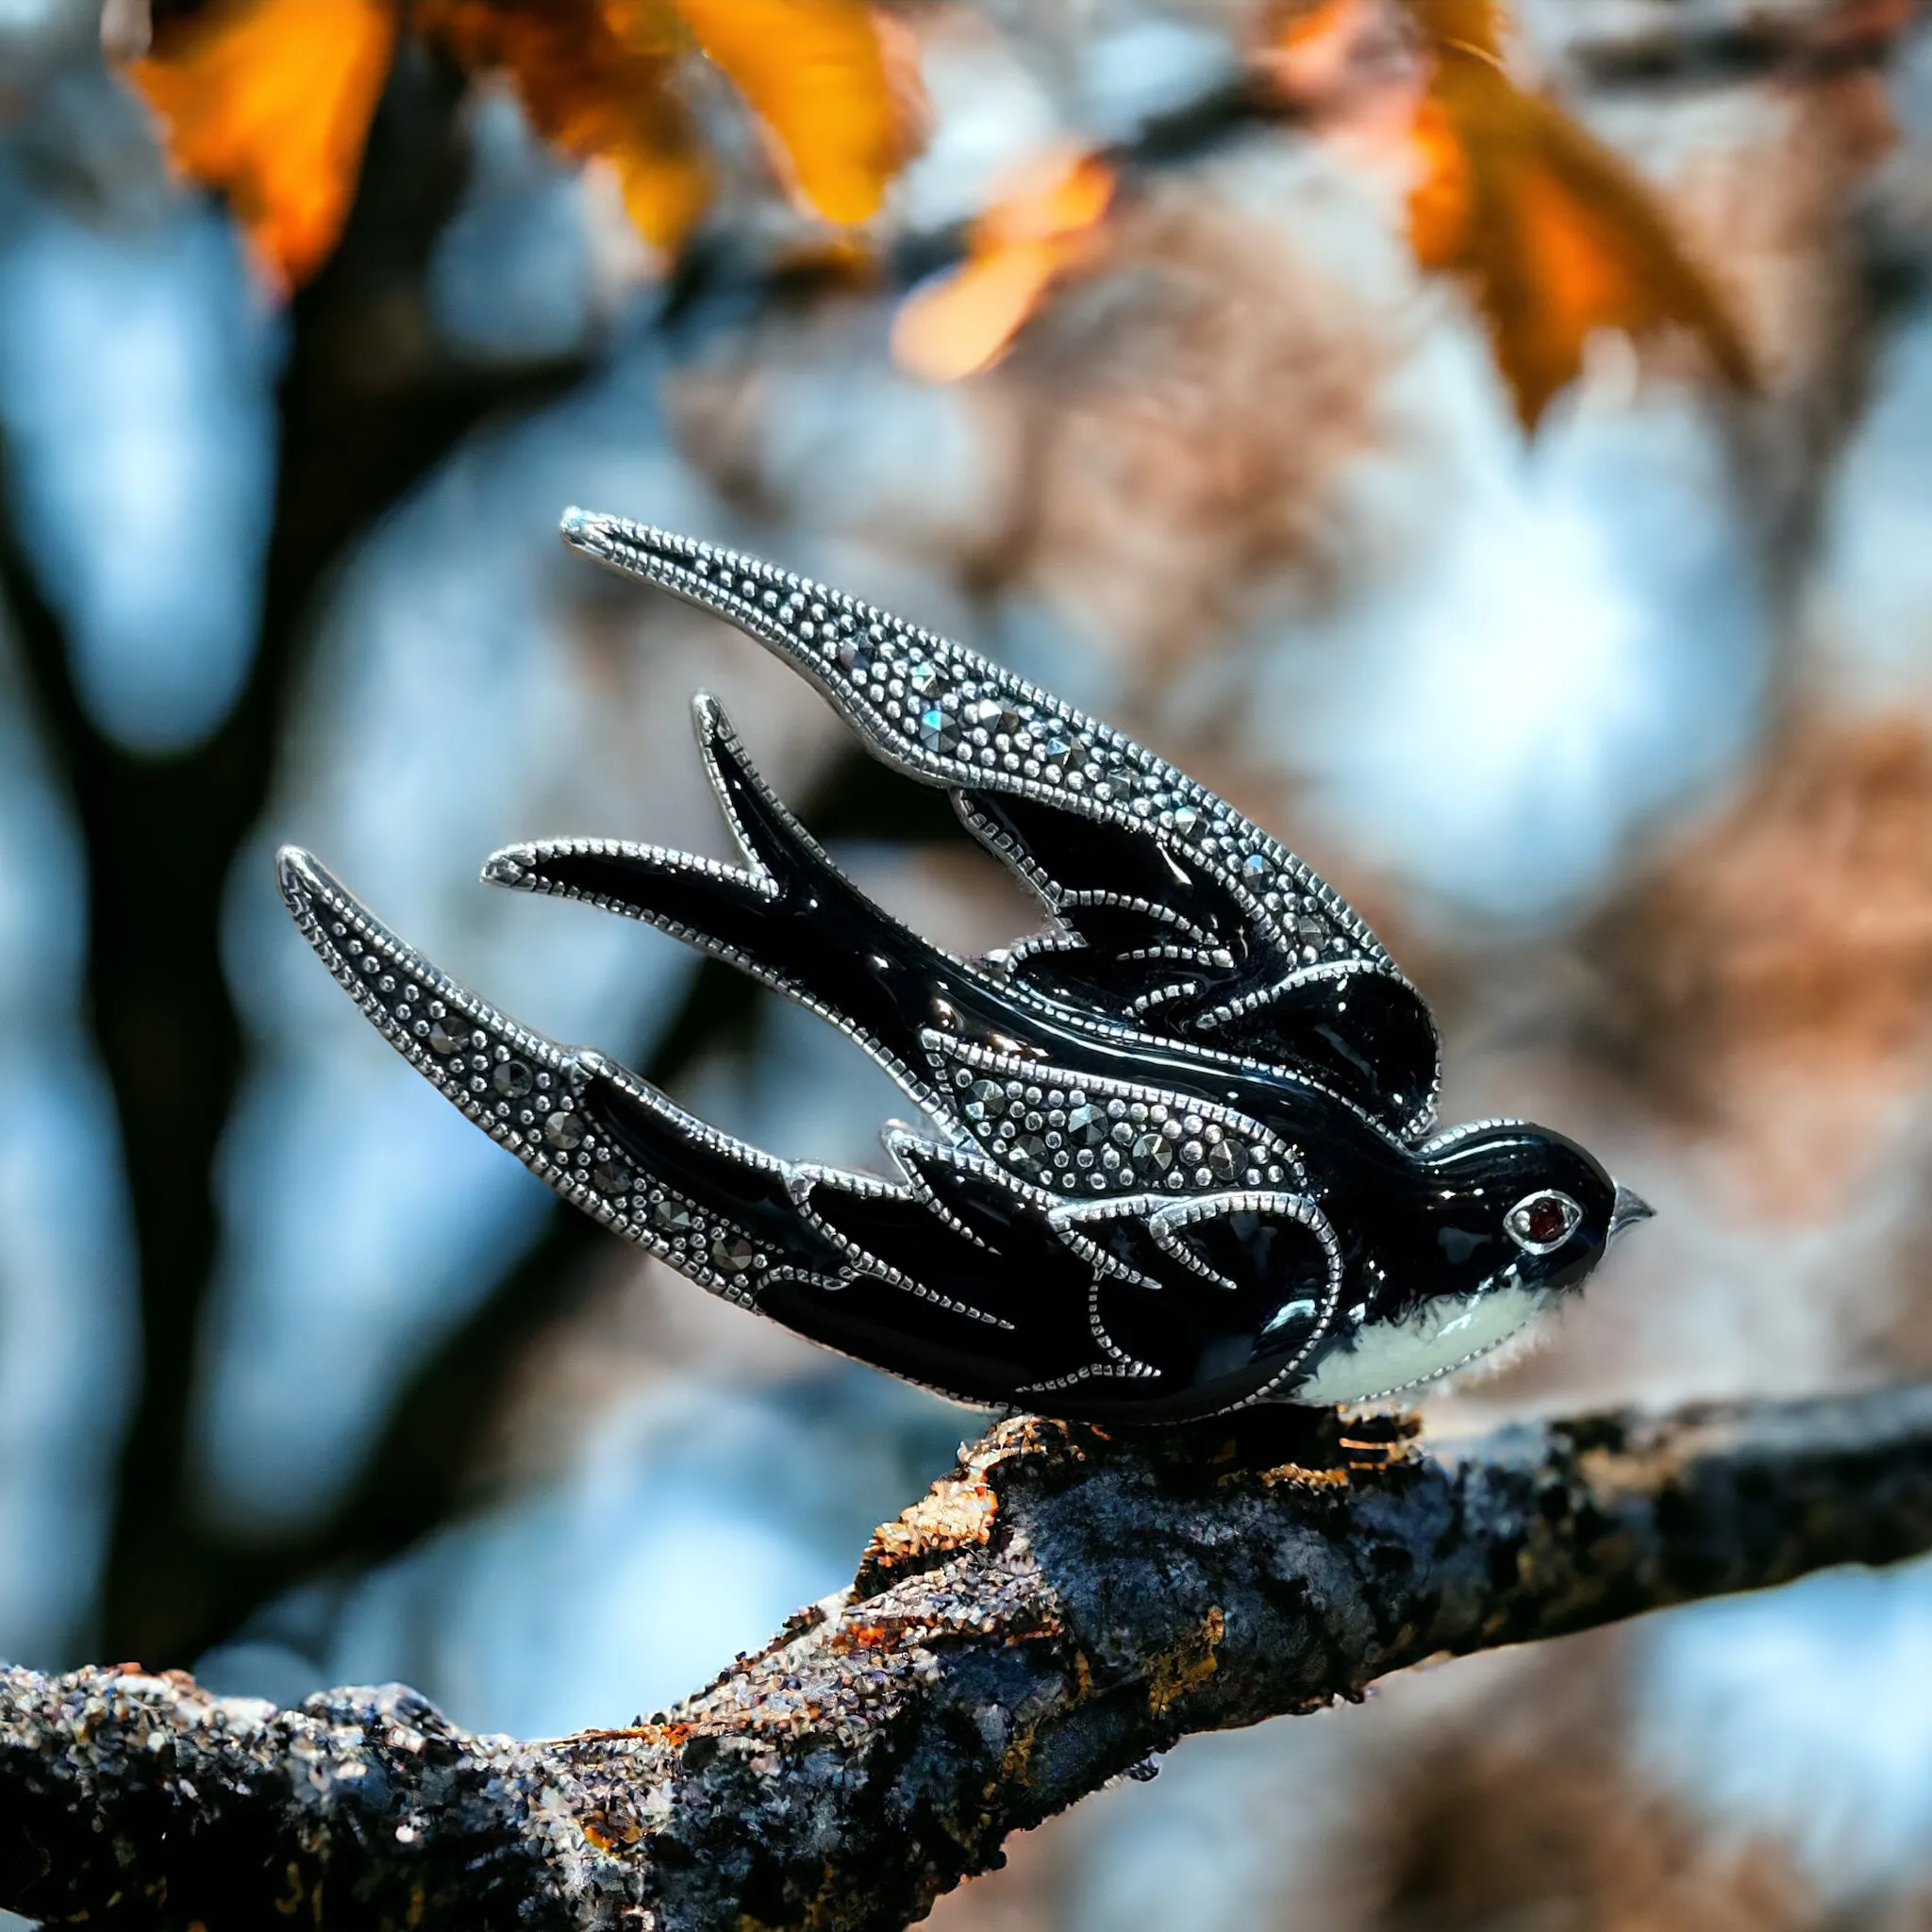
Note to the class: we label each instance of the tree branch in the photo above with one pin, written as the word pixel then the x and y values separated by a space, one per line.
pixel 1060 1608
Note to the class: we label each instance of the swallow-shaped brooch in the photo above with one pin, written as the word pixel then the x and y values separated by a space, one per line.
pixel 1176 1153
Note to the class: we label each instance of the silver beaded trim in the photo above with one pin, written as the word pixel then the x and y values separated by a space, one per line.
pixel 943 714
pixel 525 1090
pixel 1085 1135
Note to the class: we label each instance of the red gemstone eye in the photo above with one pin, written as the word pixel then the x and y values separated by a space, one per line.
pixel 1542 1222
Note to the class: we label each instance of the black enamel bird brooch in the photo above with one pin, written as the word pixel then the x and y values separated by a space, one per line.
pixel 1176 1152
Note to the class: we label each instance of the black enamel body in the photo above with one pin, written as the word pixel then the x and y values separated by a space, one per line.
pixel 1173 1154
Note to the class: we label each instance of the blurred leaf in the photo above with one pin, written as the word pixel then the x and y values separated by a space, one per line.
pixel 268 102
pixel 599 79
pixel 1554 235
pixel 1352 62
pixel 964 319
pixel 815 71
pixel 595 80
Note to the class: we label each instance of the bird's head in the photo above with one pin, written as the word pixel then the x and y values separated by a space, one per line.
pixel 1512 1205
pixel 1511 1218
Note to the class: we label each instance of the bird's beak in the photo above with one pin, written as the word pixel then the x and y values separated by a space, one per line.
pixel 1627 1210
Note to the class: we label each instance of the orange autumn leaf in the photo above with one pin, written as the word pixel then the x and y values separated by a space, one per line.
pixel 1478 26
pixel 962 321
pixel 1311 30
pixel 816 74
pixel 599 80
pixel 1334 61
pixel 268 102
pixel 1556 237
pixel 595 77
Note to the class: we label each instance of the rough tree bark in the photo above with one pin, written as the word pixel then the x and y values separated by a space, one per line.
pixel 1061 1609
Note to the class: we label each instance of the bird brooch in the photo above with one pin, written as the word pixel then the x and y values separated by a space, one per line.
pixel 1174 1154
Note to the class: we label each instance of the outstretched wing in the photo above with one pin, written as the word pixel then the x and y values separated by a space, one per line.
pixel 958 1276
pixel 1174 916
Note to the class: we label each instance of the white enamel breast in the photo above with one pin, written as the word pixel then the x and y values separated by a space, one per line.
pixel 1440 1336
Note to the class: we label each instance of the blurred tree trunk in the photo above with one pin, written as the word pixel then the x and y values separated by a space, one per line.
pixel 369 403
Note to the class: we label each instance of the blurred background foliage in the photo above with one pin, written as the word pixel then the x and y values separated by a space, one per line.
pixel 1494 449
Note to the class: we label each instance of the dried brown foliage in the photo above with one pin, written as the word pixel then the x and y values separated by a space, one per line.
pixel 1492 183
pixel 1536 1817
pixel 1555 236
pixel 1788 943
pixel 1192 398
